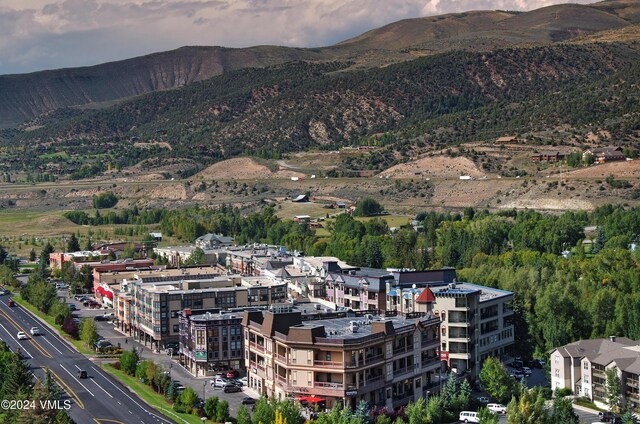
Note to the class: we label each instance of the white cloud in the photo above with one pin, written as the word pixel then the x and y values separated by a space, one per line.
pixel 45 34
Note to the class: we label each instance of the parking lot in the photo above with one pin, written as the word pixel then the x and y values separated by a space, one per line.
pixel 202 385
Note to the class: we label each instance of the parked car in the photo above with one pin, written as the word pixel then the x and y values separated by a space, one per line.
pixel 233 374
pixel 244 381
pixel 80 298
pixel 526 371
pixel 248 401
pixel 100 318
pixel 469 417
pixel 22 335
pixel 483 399
pixel 232 388
pixel 72 307
pixel 102 344
pixel 35 331
pixel 238 382
pixel 609 417
pixel 219 383
pixel 498 408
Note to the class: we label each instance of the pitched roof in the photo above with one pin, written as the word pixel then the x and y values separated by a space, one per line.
pixel 426 296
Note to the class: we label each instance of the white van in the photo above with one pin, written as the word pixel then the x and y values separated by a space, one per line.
pixel 469 417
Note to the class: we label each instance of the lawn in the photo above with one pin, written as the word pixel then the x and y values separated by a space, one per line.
pixel 78 344
pixel 154 399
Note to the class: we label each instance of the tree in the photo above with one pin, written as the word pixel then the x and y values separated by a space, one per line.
pixel 496 380
pixel 487 417
pixel 210 407
pixel 89 332
pixel 528 409
pixel 197 257
pixel 129 360
pixel 264 411
pixel 73 245
pixel 279 418
pixel 368 207
pixel 629 418
pixel 104 200
pixel 562 412
pixel 187 399
pixel 222 411
pixel 417 412
pixel 32 255
pixel 243 416
pixel 612 389
pixel 70 327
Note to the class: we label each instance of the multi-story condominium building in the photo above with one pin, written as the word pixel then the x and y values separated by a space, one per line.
pixel 367 289
pixel 177 255
pixel 156 301
pixel 214 241
pixel 210 340
pixel 477 322
pixel 384 360
pixel 252 259
pixel 581 366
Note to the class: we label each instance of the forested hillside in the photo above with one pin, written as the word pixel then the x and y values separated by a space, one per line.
pixel 450 98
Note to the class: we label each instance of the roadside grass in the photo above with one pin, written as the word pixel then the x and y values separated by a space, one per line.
pixel 78 344
pixel 154 399
pixel 587 404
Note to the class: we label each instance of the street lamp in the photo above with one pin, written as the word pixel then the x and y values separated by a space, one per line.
pixel 170 366
pixel 428 393
pixel 204 386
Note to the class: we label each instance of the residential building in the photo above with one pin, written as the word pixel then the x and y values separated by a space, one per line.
pixel 581 366
pixel 156 301
pixel 384 360
pixel 210 340
pixel 176 256
pixel 214 241
pixel 605 154
pixel 252 259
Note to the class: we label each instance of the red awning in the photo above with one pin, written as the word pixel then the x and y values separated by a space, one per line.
pixel 311 399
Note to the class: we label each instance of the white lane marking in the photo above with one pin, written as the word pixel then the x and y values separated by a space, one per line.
pixel 96 383
pixel 51 344
pixel 74 377
pixel 77 367
pixel 130 398
pixel 43 328
pixel 17 341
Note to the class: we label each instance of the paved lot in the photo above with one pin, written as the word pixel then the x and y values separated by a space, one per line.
pixel 201 385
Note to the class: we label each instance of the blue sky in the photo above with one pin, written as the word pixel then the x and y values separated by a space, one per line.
pixel 49 34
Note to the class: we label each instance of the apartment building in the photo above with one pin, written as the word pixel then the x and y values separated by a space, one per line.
pixel 156 301
pixel 176 256
pixel 210 341
pixel 581 366
pixel 477 322
pixel 254 258
pixel 384 360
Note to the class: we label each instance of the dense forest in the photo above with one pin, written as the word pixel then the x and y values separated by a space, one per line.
pixel 565 289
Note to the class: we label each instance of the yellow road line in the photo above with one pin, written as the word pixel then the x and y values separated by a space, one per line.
pixel 33 342
pixel 67 389
pixel 106 420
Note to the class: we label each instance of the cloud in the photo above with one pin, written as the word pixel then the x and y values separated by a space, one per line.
pixel 46 34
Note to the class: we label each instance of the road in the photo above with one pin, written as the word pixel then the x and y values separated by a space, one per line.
pixel 97 399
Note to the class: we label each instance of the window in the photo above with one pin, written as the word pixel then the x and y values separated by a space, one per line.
pixel 585 365
pixel 556 359
pixel 175 328
pixel 328 356
pixel 557 373
pixel 585 378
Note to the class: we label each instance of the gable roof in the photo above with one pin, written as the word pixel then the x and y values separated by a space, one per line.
pixel 426 296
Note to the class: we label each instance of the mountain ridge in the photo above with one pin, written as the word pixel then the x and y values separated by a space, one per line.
pixel 28 95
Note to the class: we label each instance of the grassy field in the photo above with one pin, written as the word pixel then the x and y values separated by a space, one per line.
pixel 154 399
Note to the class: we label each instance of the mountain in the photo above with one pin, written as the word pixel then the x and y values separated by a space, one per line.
pixel 26 96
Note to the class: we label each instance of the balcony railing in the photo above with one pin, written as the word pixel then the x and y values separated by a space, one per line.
pixel 632 383
pixel 328 385
pixel 402 349
pixel 375 379
pixel 280 358
pixel 427 342
pixel 401 371
pixel 256 346
pixel 402 399
pixel 367 360
pixel 328 363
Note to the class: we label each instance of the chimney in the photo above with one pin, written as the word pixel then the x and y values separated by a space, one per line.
pixel 612 338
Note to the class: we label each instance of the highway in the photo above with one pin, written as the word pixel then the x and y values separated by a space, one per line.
pixel 99 398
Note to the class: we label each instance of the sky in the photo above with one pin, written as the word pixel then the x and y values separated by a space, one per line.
pixel 50 34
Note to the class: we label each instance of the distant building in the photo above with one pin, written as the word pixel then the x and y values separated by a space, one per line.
pixel 605 154
pixel 157 236
pixel 506 139
pixel 581 366
pixel 214 241
pixel 301 198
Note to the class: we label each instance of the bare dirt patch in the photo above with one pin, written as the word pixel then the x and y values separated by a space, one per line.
pixel 242 169
pixel 625 169
pixel 435 167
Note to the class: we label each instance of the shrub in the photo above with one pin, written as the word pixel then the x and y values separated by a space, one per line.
pixel 563 392
pixel 128 361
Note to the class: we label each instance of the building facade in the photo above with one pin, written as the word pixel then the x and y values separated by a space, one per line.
pixel 210 341
pixel 581 366
pixel 383 360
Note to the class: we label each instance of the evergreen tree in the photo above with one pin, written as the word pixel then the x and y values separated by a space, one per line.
pixel 73 245
pixel 243 416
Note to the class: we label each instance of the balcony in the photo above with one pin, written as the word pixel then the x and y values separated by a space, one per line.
pixel 256 346
pixel 280 358
pixel 323 384
pixel 367 361
pixel 402 349
pixel 632 383
pixel 400 372
pixel 430 361
pixel 435 341
pixel 332 364
pixel 402 399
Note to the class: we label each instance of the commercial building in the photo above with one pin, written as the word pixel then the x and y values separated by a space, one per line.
pixel 581 366
pixel 384 360
pixel 156 301
pixel 210 341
